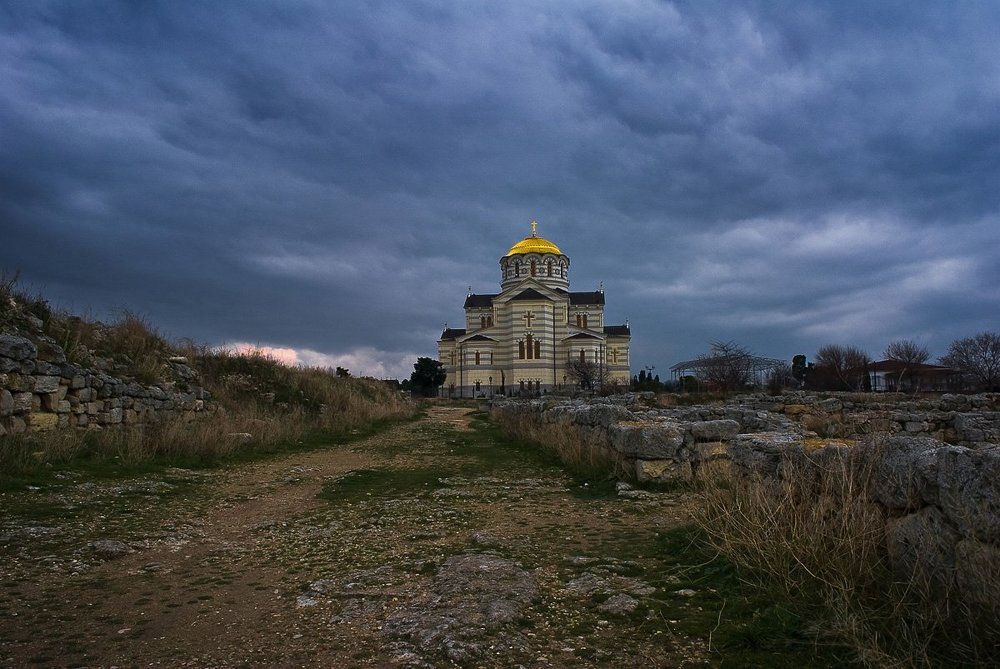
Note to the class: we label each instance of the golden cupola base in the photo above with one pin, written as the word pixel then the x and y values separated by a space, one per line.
pixel 537 258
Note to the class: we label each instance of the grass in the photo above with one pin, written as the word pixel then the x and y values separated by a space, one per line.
pixel 277 405
pixel 746 625
pixel 816 538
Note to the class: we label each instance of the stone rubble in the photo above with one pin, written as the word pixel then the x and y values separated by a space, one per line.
pixel 40 390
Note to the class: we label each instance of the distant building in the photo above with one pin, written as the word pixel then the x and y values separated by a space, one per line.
pixel 895 376
pixel 520 339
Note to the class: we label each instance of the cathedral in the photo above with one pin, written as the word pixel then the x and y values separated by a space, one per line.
pixel 519 341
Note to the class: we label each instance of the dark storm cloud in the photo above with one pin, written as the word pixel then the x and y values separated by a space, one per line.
pixel 331 176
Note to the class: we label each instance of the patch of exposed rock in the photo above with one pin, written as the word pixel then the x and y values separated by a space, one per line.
pixel 473 601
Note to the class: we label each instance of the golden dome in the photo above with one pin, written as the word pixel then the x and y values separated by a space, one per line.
pixel 533 244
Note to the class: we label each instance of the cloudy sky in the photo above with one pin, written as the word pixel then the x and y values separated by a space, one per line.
pixel 328 178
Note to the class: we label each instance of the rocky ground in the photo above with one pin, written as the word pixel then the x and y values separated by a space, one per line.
pixel 433 543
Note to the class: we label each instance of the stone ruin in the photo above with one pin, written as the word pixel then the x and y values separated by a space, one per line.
pixel 41 390
pixel 935 462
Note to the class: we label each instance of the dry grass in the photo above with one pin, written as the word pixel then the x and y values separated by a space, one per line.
pixel 567 443
pixel 275 404
pixel 815 538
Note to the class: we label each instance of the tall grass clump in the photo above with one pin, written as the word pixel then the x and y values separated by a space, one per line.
pixel 815 537
pixel 585 458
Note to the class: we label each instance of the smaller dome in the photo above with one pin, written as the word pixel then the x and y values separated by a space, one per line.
pixel 533 244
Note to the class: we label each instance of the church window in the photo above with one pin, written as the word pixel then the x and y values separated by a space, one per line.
pixel 533 268
pixel 585 320
pixel 529 347
pixel 522 386
pixel 548 267
pixel 477 357
pixel 538 349
pixel 583 356
pixel 452 357
pixel 482 322
pixel 477 386
pixel 520 350
pixel 579 321
pixel 489 321
pixel 517 269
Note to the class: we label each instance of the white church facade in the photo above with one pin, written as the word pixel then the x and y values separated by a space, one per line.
pixel 518 341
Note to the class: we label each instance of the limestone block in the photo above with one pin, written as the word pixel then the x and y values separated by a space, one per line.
pixel 114 415
pixel 709 450
pixel 130 417
pixel 17 348
pixel 760 453
pixel 39 421
pixel 922 540
pixel 715 430
pixel 43 368
pixel 906 472
pixel 969 490
pixel 831 405
pixel 63 420
pixel 22 402
pixel 78 382
pixel 46 384
pixel 82 420
pixel 17 383
pixel 85 394
pixel 651 440
pixel 49 401
pixel 93 408
pixel 662 471
pixel 16 425
pixel 6 403
pixel 63 407
pixel 602 414
pixel 977 572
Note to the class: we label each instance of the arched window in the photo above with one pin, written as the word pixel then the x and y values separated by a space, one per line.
pixel 482 322
pixel 538 350
pixel 477 386
pixel 477 357
pixel 517 268
pixel 520 350
pixel 529 347
pixel 533 268
pixel 583 356
pixel 489 321
pixel 585 320
pixel 548 267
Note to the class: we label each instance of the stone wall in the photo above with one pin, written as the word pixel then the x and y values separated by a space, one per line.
pixel 957 419
pixel 940 501
pixel 40 390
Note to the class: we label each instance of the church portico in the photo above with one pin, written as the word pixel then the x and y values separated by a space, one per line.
pixel 520 339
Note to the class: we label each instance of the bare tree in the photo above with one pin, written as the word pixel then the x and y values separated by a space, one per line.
pixel 977 357
pixel 780 377
pixel 909 354
pixel 726 366
pixel 847 366
pixel 588 375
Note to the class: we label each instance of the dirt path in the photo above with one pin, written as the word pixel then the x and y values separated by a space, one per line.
pixel 430 544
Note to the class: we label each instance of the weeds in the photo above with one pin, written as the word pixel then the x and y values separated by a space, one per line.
pixel 817 537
